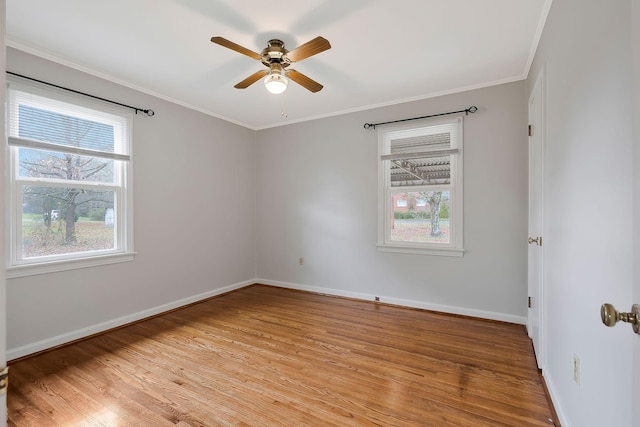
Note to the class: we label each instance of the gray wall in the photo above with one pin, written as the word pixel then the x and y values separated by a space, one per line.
pixel 203 225
pixel 585 52
pixel 194 222
pixel 317 198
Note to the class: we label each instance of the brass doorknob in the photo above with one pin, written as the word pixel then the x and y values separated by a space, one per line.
pixel 610 316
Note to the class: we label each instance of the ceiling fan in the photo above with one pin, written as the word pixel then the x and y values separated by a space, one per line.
pixel 277 58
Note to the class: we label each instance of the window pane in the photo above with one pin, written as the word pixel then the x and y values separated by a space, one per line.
pixel 49 126
pixel 420 217
pixel 66 220
pixel 55 165
pixel 420 171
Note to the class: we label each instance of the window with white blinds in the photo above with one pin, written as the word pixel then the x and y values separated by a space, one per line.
pixel 70 192
pixel 420 184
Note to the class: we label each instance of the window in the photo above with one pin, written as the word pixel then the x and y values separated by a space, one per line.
pixel 420 201
pixel 70 191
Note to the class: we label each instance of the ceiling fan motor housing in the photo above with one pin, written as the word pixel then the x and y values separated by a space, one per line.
pixel 275 52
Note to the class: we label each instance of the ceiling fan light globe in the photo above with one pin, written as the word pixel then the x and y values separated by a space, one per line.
pixel 275 83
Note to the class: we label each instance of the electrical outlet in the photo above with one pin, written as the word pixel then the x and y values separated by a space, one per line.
pixel 576 369
pixel 301 261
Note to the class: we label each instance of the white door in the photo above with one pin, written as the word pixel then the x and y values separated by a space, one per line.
pixel 635 42
pixel 535 285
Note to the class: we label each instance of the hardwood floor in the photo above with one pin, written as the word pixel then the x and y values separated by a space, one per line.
pixel 265 356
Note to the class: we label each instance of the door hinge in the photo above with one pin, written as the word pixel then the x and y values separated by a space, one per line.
pixel 537 240
pixel 529 302
pixel 530 132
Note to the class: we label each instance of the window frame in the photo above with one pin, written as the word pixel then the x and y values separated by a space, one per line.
pixel 385 191
pixel 122 186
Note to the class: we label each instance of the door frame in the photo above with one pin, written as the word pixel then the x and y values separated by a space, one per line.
pixel 3 281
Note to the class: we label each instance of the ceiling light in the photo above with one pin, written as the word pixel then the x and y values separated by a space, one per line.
pixel 276 82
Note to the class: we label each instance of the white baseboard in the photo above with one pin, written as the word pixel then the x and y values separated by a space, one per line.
pixel 14 353
pixel 521 320
pixel 554 398
pixel 45 344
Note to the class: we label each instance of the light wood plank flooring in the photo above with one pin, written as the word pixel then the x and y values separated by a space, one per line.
pixel 265 356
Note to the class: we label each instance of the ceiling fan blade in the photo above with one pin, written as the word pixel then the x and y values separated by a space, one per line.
pixel 310 48
pixel 251 79
pixel 304 81
pixel 233 46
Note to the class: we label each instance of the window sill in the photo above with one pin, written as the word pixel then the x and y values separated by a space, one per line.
pixel 64 265
pixel 451 252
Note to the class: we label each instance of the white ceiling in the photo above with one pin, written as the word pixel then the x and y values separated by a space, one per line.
pixel 383 52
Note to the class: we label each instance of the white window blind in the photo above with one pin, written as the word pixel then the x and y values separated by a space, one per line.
pixel 41 122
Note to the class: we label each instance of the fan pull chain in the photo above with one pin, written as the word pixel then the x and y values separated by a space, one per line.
pixel 284 113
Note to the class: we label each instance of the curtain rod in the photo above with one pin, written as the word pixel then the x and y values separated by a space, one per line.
pixel 146 111
pixel 471 109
